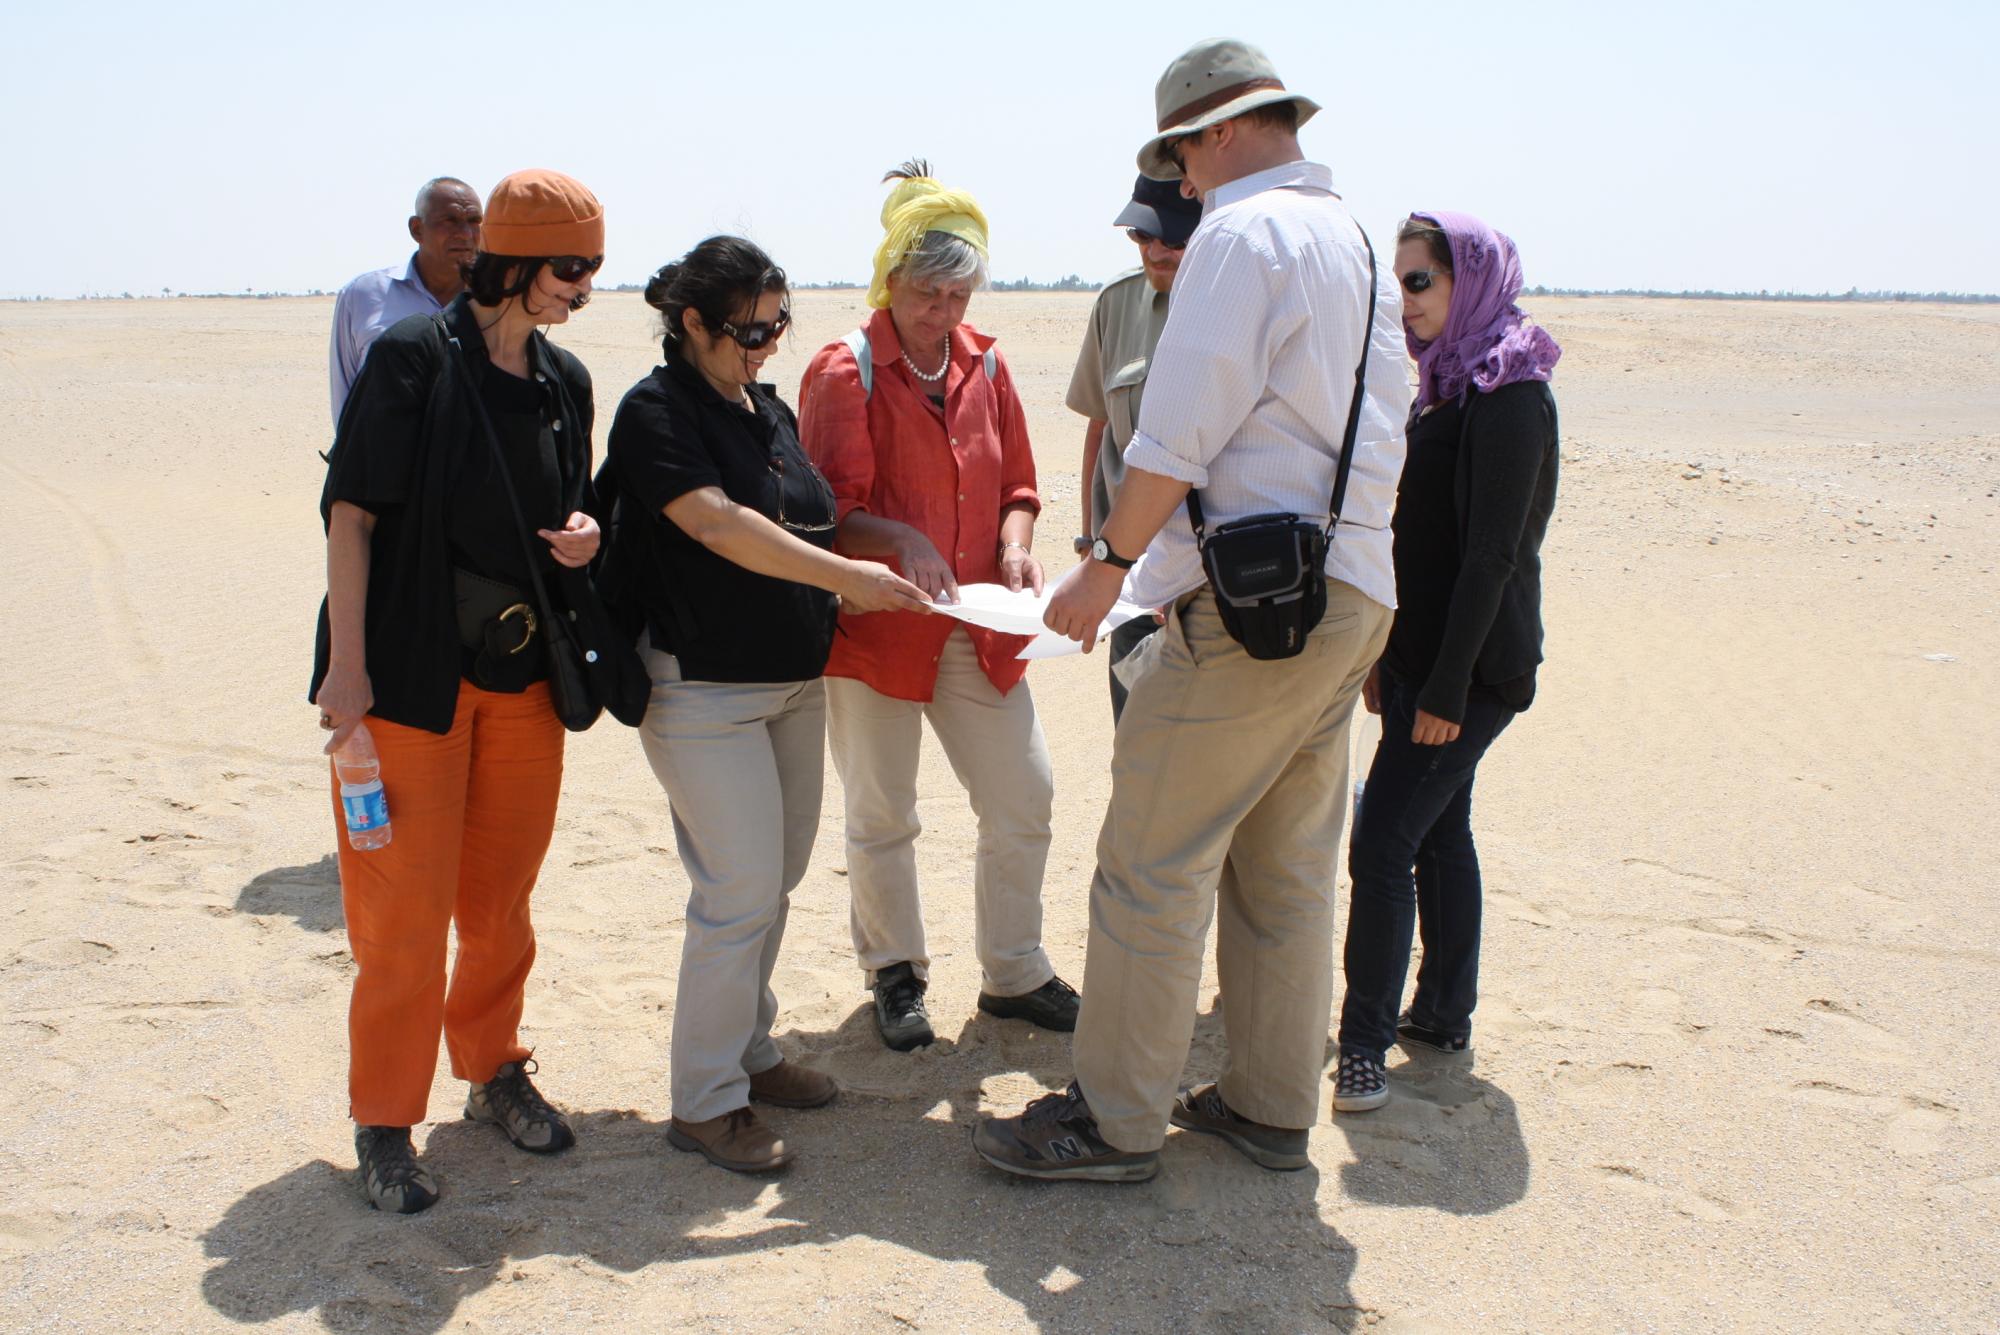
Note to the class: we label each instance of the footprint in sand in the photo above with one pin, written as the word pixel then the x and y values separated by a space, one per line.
pixel 1844 1023
pixel 1618 1084
pixel 66 952
pixel 1693 1204
pixel 1527 911
pixel 29 1231
pixel 1681 881
pixel 1769 942
pixel 1912 1125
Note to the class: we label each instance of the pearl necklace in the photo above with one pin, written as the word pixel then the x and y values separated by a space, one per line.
pixel 936 375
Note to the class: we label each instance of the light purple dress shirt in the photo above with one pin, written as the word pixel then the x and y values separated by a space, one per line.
pixel 366 307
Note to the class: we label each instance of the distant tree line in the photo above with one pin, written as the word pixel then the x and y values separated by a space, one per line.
pixel 1067 283
pixel 1709 294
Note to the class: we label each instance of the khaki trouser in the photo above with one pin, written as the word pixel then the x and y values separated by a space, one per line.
pixel 996 749
pixel 1229 780
pixel 743 767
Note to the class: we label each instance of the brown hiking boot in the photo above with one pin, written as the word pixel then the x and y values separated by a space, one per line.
pixel 790 1085
pixel 737 1141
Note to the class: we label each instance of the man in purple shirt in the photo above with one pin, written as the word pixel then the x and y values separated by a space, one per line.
pixel 445 227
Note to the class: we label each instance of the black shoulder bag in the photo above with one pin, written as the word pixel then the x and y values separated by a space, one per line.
pixel 583 677
pixel 1269 571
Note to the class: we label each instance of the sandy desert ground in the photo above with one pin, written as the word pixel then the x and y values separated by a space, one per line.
pixel 1735 1061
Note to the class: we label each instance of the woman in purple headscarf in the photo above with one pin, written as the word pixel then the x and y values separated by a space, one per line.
pixel 1473 504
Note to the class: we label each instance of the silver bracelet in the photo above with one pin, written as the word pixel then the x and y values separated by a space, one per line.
pixel 1022 545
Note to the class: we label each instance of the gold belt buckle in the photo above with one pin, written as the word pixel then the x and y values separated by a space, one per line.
pixel 527 615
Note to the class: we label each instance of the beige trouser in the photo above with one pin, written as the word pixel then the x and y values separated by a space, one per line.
pixel 1228 781
pixel 743 767
pixel 996 749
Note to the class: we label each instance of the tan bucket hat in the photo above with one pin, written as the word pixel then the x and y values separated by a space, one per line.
pixel 1211 82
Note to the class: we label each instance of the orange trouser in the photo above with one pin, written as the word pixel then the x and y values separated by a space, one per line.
pixel 471 814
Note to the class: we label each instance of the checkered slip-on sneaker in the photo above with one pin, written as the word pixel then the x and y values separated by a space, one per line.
pixel 1359 1084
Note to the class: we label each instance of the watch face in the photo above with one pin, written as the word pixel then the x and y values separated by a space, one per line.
pixel 1100 550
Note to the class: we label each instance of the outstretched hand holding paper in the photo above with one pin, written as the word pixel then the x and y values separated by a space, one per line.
pixel 1020 613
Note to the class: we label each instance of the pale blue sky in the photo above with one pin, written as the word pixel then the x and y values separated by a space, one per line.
pixel 220 146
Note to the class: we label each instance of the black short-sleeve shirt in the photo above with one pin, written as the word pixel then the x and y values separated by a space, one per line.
pixel 408 444
pixel 674 435
pixel 484 537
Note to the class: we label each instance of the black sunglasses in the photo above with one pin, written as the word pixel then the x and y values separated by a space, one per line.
pixel 1418 281
pixel 1172 149
pixel 754 336
pixel 1145 238
pixel 570 268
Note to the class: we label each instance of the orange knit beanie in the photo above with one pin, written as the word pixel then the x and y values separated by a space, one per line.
pixel 539 214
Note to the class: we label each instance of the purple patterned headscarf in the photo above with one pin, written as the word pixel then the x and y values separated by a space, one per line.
pixel 1486 341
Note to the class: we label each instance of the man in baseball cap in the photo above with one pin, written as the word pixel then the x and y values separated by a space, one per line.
pixel 1110 378
pixel 1229 772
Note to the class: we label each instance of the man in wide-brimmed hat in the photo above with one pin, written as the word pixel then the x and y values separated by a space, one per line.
pixel 1229 772
pixel 1109 382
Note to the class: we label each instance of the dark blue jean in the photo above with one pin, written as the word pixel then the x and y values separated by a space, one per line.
pixel 1412 861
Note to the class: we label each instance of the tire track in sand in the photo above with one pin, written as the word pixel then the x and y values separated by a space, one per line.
pixel 132 656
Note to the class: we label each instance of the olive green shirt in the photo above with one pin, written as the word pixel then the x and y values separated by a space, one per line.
pixel 1110 375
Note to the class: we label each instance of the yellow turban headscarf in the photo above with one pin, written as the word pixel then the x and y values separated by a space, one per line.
pixel 916 206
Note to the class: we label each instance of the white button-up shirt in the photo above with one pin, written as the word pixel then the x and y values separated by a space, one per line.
pixel 1248 394
pixel 363 310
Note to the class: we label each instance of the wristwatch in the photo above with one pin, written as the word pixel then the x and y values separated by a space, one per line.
pixel 1101 551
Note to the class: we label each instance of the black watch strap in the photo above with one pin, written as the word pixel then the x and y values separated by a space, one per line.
pixel 1101 551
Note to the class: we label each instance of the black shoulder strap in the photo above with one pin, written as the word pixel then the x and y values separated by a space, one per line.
pixel 457 359
pixel 1346 462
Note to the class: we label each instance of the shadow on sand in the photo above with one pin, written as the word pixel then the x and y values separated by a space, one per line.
pixel 1446 1140
pixel 309 894
pixel 1213 1243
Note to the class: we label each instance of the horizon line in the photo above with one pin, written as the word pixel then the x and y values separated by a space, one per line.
pixel 1073 283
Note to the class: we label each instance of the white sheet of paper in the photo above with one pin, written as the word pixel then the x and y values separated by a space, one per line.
pixel 996 607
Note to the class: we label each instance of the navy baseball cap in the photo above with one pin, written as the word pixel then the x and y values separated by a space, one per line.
pixel 1159 207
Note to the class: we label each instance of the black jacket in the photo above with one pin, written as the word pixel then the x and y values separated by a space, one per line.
pixel 403 433
pixel 1469 569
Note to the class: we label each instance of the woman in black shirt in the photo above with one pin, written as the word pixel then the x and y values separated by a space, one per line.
pixel 722 563
pixel 417 518
pixel 1476 493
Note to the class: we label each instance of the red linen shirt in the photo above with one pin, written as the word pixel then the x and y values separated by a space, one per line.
pixel 947 474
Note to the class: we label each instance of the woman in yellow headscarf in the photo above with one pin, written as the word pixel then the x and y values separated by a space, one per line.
pixel 914 420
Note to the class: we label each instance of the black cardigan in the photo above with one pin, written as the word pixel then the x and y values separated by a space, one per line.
pixel 1468 565
pixel 402 433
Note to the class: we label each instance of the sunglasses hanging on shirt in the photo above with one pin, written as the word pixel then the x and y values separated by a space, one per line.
pixel 777 467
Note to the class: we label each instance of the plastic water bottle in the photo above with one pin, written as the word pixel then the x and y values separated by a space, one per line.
pixel 361 800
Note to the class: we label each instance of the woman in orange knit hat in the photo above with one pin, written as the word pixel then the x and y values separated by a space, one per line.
pixel 422 540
